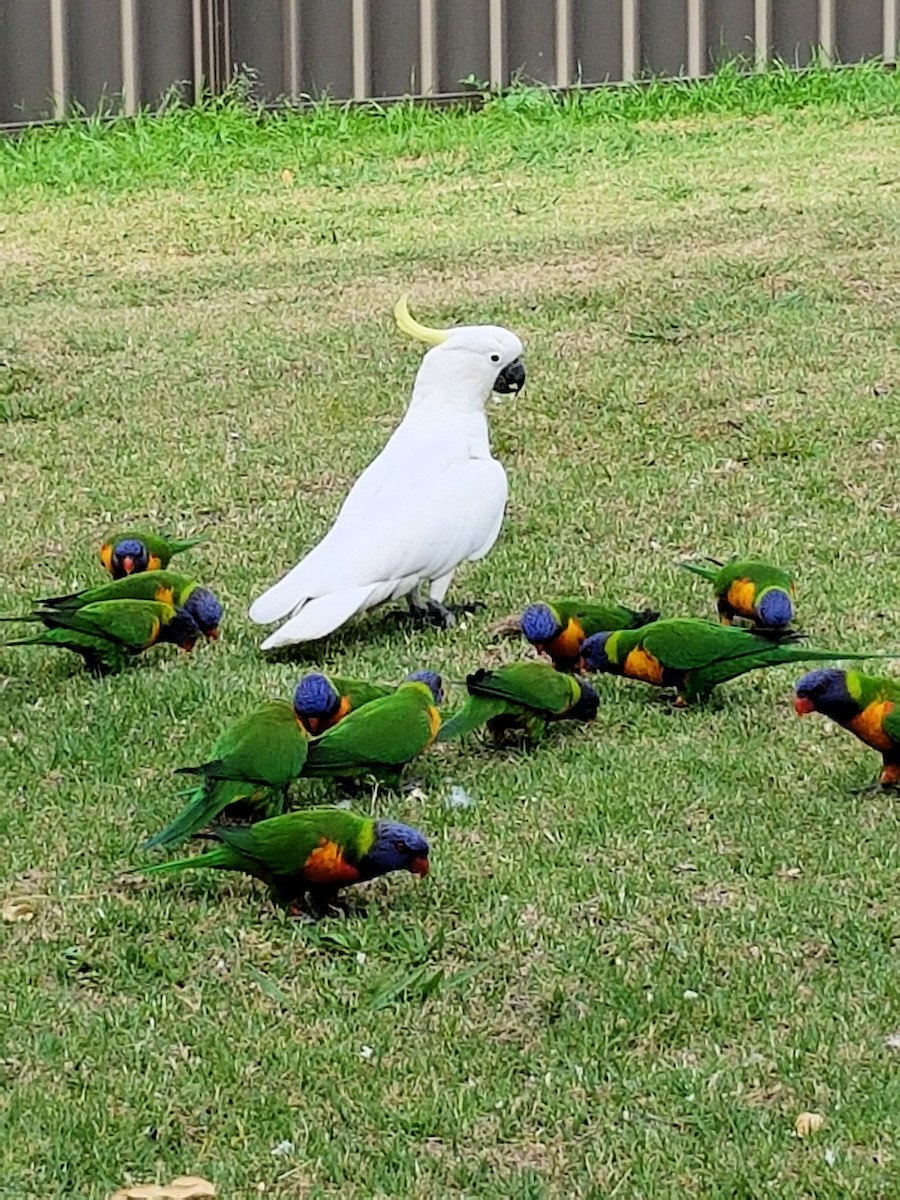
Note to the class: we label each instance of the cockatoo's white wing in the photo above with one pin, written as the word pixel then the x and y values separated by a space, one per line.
pixel 407 520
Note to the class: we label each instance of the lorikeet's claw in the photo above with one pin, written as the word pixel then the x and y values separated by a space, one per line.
pixel 872 789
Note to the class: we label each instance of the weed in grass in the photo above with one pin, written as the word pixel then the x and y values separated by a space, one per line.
pixel 646 948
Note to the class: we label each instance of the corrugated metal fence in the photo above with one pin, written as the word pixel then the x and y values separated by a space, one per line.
pixel 56 55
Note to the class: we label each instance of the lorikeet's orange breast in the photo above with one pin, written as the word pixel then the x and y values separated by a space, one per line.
pixel 338 715
pixel 741 596
pixel 566 645
pixel 869 728
pixel 326 866
pixel 640 664
pixel 434 722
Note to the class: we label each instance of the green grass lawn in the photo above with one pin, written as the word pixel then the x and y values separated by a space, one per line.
pixel 650 944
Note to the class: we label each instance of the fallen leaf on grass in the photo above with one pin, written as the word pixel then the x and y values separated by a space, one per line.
pixel 808 1123
pixel 21 908
pixel 185 1187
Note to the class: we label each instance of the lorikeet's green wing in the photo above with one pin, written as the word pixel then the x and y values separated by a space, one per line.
pixel 387 733
pixel 360 691
pixel 762 574
pixel 169 587
pixel 283 846
pixel 688 644
pixel 208 801
pixel 535 685
pixel 476 711
pixel 266 746
pixel 158 546
pixel 594 617
pixel 131 623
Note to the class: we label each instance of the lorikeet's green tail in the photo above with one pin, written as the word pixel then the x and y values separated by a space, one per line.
pixel 700 683
pixel 476 711
pixel 208 801
pixel 222 857
pixel 178 547
pixel 708 573
pixel 98 653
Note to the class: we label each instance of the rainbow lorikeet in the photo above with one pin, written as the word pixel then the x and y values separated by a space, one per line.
pixel 167 587
pixel 752 589
pixel 693 656
pixel 254 761
pixel 381 737
pixel 313 852
pixel 321 701
pixel 130 553
pixel 867 705
pixel 558 627
pixel 524 696
pixel 108 635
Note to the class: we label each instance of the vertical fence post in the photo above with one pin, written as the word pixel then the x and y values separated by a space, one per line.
pixel 762 26
pixel 563 34
pixel 290 25
pixel 427 48
pixel 826 30
pixel 889 31
pixel 629 39
pixel 128 28
pixel 359 20
pixel 496 40
pixel 59 67
pixel 197 39
pixel 696 38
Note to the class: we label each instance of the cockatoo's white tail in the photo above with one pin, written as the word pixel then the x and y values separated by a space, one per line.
pixel 432 499
pixel 317 618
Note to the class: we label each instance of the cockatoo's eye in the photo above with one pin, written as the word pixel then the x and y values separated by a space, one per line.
pixel 495 358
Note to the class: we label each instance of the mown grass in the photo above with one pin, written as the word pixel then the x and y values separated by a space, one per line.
pixel 650 944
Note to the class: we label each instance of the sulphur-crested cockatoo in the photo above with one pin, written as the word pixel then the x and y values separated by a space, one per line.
pixel 432 499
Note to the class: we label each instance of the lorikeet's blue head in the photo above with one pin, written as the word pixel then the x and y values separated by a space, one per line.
pixel 540 624
pixel 825 690
pixel 432 680
pixel 585 709
pixel 315 701
pixel 593 653
pixel 206 611
pixel 775 609
pixel 182 630
pixel 129 557
pixel 395 848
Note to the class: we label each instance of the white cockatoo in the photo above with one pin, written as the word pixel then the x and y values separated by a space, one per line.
pixel 432 499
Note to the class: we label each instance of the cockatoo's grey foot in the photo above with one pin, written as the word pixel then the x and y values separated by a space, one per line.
pixel 430 612
pixel 467 606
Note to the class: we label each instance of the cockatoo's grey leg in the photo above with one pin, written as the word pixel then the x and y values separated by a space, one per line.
pixel 436 596
pixel 427 611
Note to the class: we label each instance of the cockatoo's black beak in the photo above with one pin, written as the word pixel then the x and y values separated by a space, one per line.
pixel 511 378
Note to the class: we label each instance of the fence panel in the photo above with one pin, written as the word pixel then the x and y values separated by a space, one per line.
pixel 60 55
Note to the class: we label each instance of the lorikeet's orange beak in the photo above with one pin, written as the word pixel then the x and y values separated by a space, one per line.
pixel 127 564
pixel 803 706
pixel 313 724
pixel 213 635
pixel 187 646
pixel 419 866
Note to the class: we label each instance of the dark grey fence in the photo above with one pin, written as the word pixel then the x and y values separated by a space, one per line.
pixel 56 55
